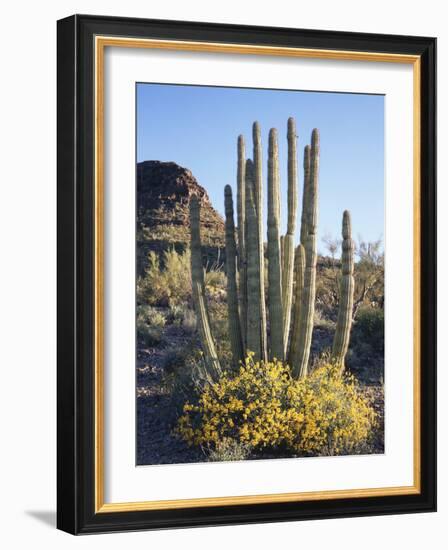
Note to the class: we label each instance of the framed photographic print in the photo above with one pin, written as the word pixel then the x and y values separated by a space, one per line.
pixel 246 274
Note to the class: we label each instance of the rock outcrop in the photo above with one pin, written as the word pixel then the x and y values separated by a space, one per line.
pixel 164 190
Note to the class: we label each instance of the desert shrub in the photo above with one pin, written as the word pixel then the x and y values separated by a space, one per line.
pixel 321 321
pixel 263 407
pixel 184 376
pixel 151 316
pixel 149 324
pixel 339 418
pixel 174 358
pixel 184 317
pixel 369 276
pixel 176 314
pixel 147 335
pixel 327 287
pixel 189 322
pixel 152 337
pixel 177 276
pixel 229 450
pixel 220 331
pixel 150 287
pixel 166 282
pixel 215 278
pixel 369 326
pixel 216 284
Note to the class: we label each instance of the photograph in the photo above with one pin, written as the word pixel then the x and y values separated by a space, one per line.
pixel 246 274
pixel 220 258
pixel 259 261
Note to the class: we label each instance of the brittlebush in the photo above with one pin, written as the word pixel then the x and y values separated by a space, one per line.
pixel 262 406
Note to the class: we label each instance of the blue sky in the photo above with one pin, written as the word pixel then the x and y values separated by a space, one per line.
pixel 197 127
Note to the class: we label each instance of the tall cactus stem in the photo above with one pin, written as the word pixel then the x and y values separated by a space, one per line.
pixel 232 291
pixel 306 186
pixel 288 246
pixel 254 325
pixel 309 284
pixel 258 188
pixel 241 208
pixel 198 287
pixel 293 357
pixel 345 313
pixel 282 254
pixel 274 265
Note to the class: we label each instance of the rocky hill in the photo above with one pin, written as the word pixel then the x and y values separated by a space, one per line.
pixel 164 190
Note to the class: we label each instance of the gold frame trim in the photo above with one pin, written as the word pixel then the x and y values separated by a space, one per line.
pixel 101 42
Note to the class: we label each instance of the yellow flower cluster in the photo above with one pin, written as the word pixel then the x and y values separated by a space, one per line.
pixel 338 416
pixel 263 406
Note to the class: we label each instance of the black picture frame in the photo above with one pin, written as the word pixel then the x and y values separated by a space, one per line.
pixel 76 263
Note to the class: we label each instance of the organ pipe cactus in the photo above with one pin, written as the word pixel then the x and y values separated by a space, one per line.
pixel 274 254
pixel 294 352
pixel 254 322
pixel 345 313
pixel 241 216
pixel 198 286
pixel 258 189
pixel 282 255
pixel 306 186
pixel 288 239
pixel 232 293
pixel 309 217
pixel 290 303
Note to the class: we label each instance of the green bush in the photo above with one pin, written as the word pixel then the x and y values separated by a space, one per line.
pixel 174 359
pixel 147 335
pixel 189 322
pixel 369 326
pixel 176 314
pixel 215 279
pixel 184 317
pixel 229 450
pixel 151 316
pixel 220 330
pixel 149 323
pixel 184 374
pixel 167 281
pixel 321 321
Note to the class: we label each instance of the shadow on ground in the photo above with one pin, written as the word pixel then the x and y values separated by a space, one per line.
pixel 47 517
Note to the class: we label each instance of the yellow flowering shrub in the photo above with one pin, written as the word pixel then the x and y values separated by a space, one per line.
pixel 339 418
pixel 262 406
